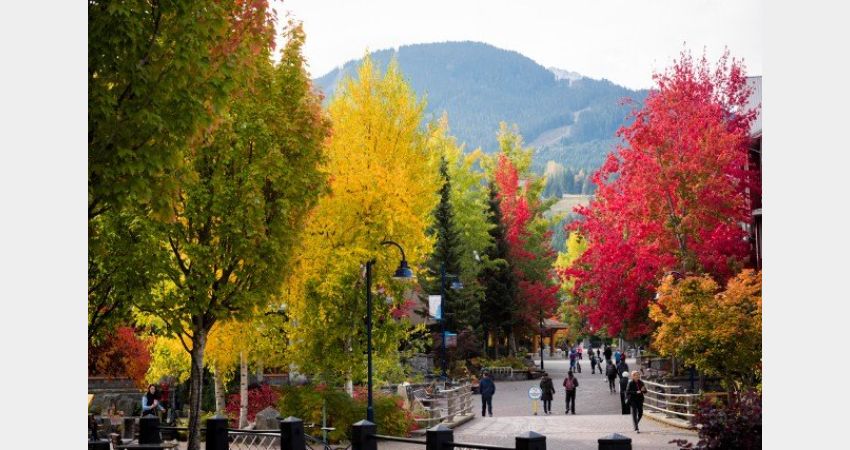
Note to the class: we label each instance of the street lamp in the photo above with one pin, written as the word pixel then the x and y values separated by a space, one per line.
pixel 403 272
pixel 542 330
pixel 456 285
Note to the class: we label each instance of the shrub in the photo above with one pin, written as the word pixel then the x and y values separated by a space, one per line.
pixel 259 398
pixel 507 361
pixel 305 402
pixel 736 424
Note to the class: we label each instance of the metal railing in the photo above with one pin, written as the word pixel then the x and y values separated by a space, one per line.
pixel 253 439
pixel 668 399
pixel 442 406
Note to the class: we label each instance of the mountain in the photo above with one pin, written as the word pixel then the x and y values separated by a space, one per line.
pixel 569 118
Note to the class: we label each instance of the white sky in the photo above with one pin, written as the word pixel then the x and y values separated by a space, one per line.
pixel 621 40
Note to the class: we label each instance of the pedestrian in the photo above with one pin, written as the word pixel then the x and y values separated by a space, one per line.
pixel 593 363
pixel 580 352
pixel 635 391
pixel 623 367
pixel 487 388
pixel 548 389
pixel 150 402
pixel 611 372
pixel 617 356
pixel 598 356
pixel 572 358
pixel 607 353
pixel 570 385
pixel 624 381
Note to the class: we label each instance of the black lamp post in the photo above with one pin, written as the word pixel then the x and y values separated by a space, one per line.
pixel 541 342
pixel 403 272
pixel 456 285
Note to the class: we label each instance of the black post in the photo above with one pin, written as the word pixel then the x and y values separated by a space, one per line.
pixel 541 341
pixel 370 411
pixel 216 433
pixel 615 441
pixel 361 436
pixel 437 436
pixel 292 434
pixel 129 428
pixel 530 441
pixel 149 430
pixel 99 445
pixel 443 318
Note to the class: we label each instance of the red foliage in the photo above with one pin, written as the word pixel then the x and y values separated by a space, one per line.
pixel 517 213
pixel 259 398
pixel 672 198
pixel 121 354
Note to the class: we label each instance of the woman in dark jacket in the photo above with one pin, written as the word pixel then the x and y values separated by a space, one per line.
pixel 634 396
pixel 548 389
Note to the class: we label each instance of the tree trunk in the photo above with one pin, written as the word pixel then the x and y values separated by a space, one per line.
pixel 243 390
pixel 199 342
pixel 219 394
pixel 512 342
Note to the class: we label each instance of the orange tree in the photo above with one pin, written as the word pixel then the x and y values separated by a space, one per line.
pixel 717 331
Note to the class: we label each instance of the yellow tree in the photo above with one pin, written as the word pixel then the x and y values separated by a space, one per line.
pixel 383 185
pixel 717 331
pixel 569 308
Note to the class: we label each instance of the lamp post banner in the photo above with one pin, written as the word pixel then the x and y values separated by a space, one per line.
pixel 435 306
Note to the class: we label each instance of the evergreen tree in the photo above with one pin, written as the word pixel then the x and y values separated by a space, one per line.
pixel 500 285
pixel 447 253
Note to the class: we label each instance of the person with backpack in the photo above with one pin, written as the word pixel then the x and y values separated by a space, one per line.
pixel 624 382
pixel 548 389
pixel 635 391
pixel 611 373
pixel 487 388
pixel 607 353
pixel 570 385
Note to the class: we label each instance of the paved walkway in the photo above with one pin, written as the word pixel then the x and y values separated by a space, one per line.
pixel 597 415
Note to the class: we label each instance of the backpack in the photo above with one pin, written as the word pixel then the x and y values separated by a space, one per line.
pixel 568 384
pixel 611 370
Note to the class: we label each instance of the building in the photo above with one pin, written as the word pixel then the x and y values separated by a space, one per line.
pixel 755 228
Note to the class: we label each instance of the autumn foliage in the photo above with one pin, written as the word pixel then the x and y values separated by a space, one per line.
pixel 673 196
pixel 121 354
pixel 259 398
pixel 537 294
pixel 716 330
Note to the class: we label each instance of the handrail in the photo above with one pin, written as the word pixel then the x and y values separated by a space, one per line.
pixel 477 446
pixel 383 437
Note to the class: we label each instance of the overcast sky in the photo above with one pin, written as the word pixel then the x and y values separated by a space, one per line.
pixel 621 40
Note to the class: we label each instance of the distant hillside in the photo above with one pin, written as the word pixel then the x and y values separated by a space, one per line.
pixel 569 118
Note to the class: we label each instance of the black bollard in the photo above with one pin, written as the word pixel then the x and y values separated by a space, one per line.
pixel 99 445
pixel 438 435
pixel 292 434
pixel 361 436
pixel 149 430
pixel 530 441
pixel 216 434
pixel 615 441
pixel 129 428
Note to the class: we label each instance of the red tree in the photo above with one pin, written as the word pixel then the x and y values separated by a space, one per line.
pixel 121 354
pixel 672 197
pixel 537 294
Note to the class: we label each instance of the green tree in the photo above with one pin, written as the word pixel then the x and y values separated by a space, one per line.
pixel 500 284
pixel 247 187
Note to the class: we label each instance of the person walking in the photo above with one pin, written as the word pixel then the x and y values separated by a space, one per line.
pixel 598 356
pixel 593 364
pixel 623 367
pixel 635 391
pixel 548 389
pixel 624 382
pixel 150 402
pixel 611 373
pixel 617 356
pixel 580 352
pixel 487 388
pixel 570 385
pixel 607 353
pixel 572 359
